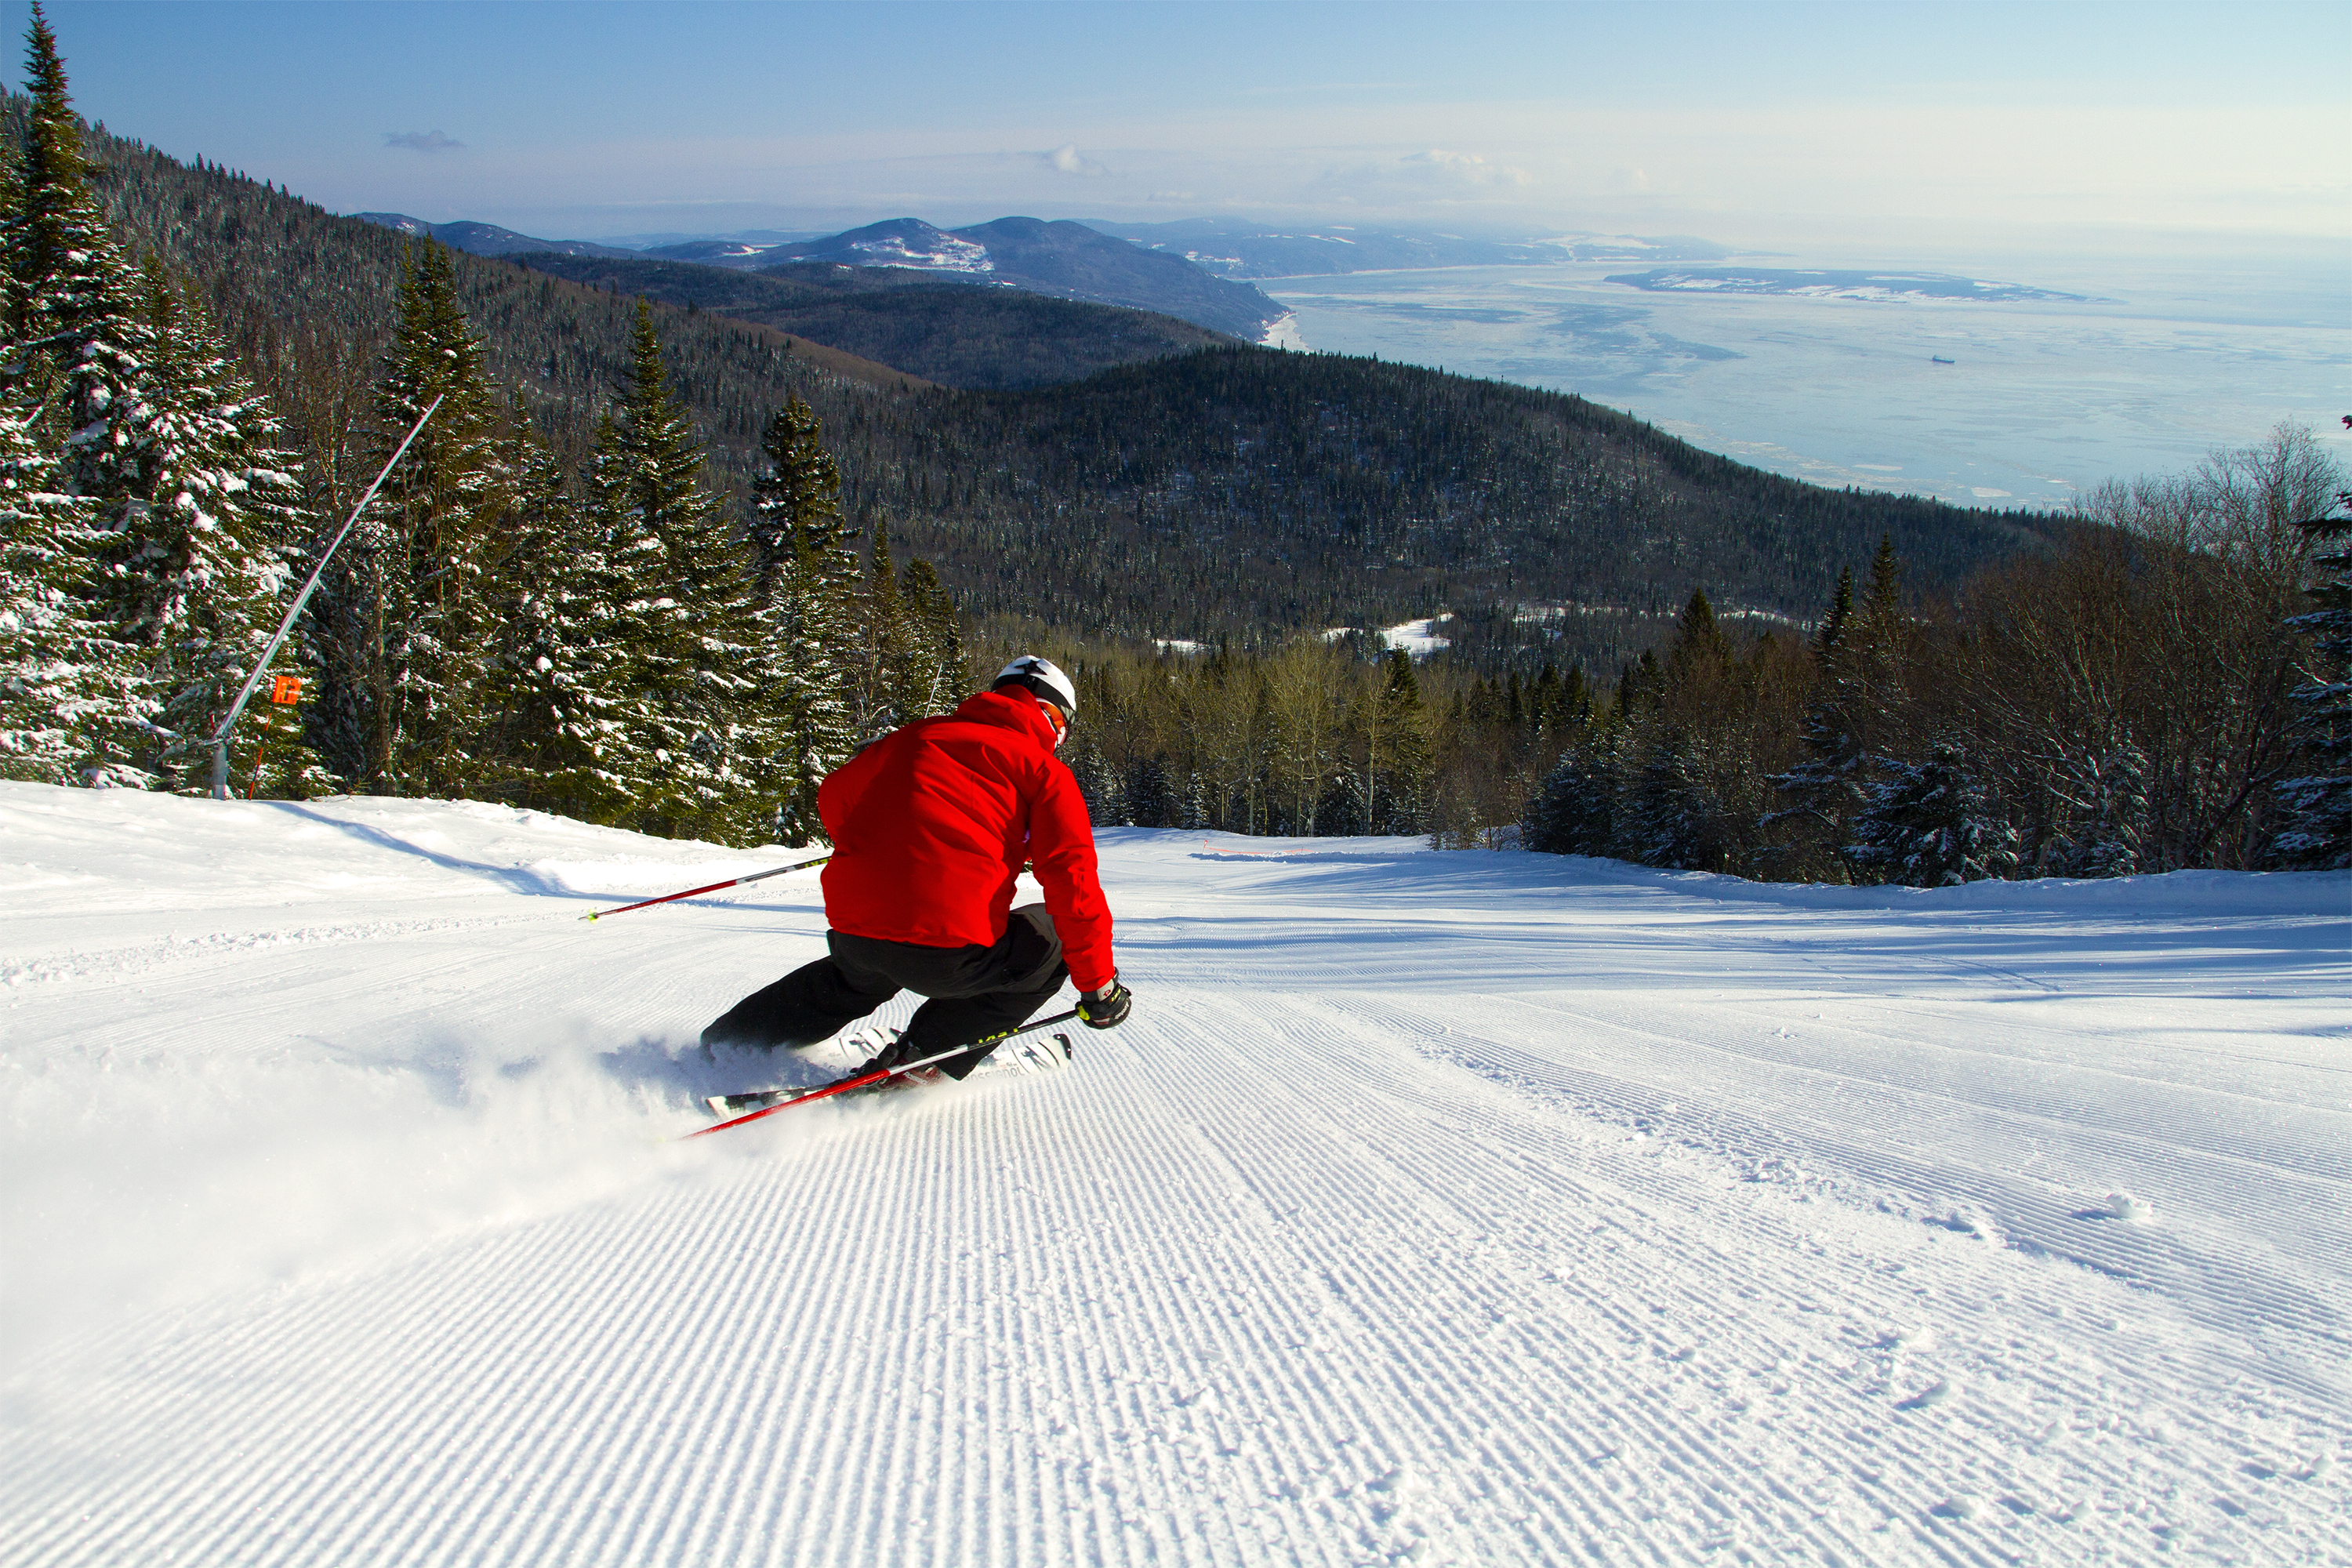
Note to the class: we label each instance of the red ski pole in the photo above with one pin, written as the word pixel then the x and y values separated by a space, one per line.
pixel 863 1080
pixel 673 897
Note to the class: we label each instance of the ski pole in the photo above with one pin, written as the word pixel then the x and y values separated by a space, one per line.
pixel 860 1080
pixel 673 897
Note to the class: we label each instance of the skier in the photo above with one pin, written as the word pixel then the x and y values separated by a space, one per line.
pixel 931 825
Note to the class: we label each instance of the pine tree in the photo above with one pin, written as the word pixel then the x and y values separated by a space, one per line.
pixel 2101 799
pixel 1831 631
pixel 1098 783
pixel 79 347
pixel 806 584
pixel 2318 831
pixel 1395 728
pixel 1931 824
pixel 410 604
pixel 219 533
pixel 70 289
pixel 702 753
pixel 1151 798
pixel 73 701
pixel 1819 795
pixel 75 375
pixel 932 677
pixel 1671 819
pixel 882 642
pixel 796 500
pixel 1575 812
pixel 1700 650
pixel 1863 654
pixel 560 682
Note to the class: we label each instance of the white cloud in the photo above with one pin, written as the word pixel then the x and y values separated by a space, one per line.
pixel 1070 161
pixel 423 140
pixel 1460 168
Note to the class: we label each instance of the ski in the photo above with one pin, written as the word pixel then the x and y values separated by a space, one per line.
pixel 857 1081
pixel 1028 1058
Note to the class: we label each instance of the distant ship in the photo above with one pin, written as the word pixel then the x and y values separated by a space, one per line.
pixel 1939 359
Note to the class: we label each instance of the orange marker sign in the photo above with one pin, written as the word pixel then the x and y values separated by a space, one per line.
pixel 286 690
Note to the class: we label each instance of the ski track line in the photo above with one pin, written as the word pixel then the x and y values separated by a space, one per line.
pixel 705 1250
pixel 2028 1216
pixel 1348 1269
pixel 2300 1332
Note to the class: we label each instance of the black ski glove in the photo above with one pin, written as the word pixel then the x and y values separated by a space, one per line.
pixel 1106 1008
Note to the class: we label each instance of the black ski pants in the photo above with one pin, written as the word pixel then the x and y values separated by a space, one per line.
pixel 973 991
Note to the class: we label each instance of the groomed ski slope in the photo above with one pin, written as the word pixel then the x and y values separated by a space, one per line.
pixel 1437 1209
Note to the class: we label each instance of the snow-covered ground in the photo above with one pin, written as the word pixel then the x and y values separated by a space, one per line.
pixel 1284 334
pixel 1451 1208
pixel 1420 638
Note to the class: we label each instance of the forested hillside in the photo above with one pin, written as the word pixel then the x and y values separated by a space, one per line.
pixel 957 333
pixel 1234 492
pixel 639 567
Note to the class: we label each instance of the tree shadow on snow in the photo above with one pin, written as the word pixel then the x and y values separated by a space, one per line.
pixel 518 877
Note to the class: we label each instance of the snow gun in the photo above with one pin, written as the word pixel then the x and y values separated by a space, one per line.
pixel 690 892
pixel 219 742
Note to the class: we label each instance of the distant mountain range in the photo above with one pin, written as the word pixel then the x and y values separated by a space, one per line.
pixel 1221 492
pixel 1233 250
pixel 952 329
pixel 486 238
pixel 1067 260
pixel 1064 260
pixel 1195 269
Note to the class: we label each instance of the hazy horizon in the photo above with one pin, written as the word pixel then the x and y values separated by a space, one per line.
pixel 1894 130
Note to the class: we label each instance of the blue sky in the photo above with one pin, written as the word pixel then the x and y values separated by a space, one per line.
pixel 1877 124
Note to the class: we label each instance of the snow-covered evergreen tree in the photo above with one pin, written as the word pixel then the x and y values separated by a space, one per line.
pixel 1670 818
pixel 2101 798
pixel 166 442
pixel 1151 799
pixel 1098 781
pixel 796 499
pixel 1931 824
pixel 701 749
pixel 217 535
pixel 1820 794
pixel 73 701
pixel 560 682
pixel 2318 830
pixel 1575 812
pixel 1192 813
pixel 407 616
pixel 70 292
pixel 931 677
pixel 806 584
pixel 882 641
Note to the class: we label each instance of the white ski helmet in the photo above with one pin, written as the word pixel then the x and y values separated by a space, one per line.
pixel 1044 678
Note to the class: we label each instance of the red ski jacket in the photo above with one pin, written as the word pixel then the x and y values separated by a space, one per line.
pixel 931 823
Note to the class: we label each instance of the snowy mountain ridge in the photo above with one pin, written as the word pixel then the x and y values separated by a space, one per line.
pixel 1067 260
pixel 486 238
pixel 1465 1207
